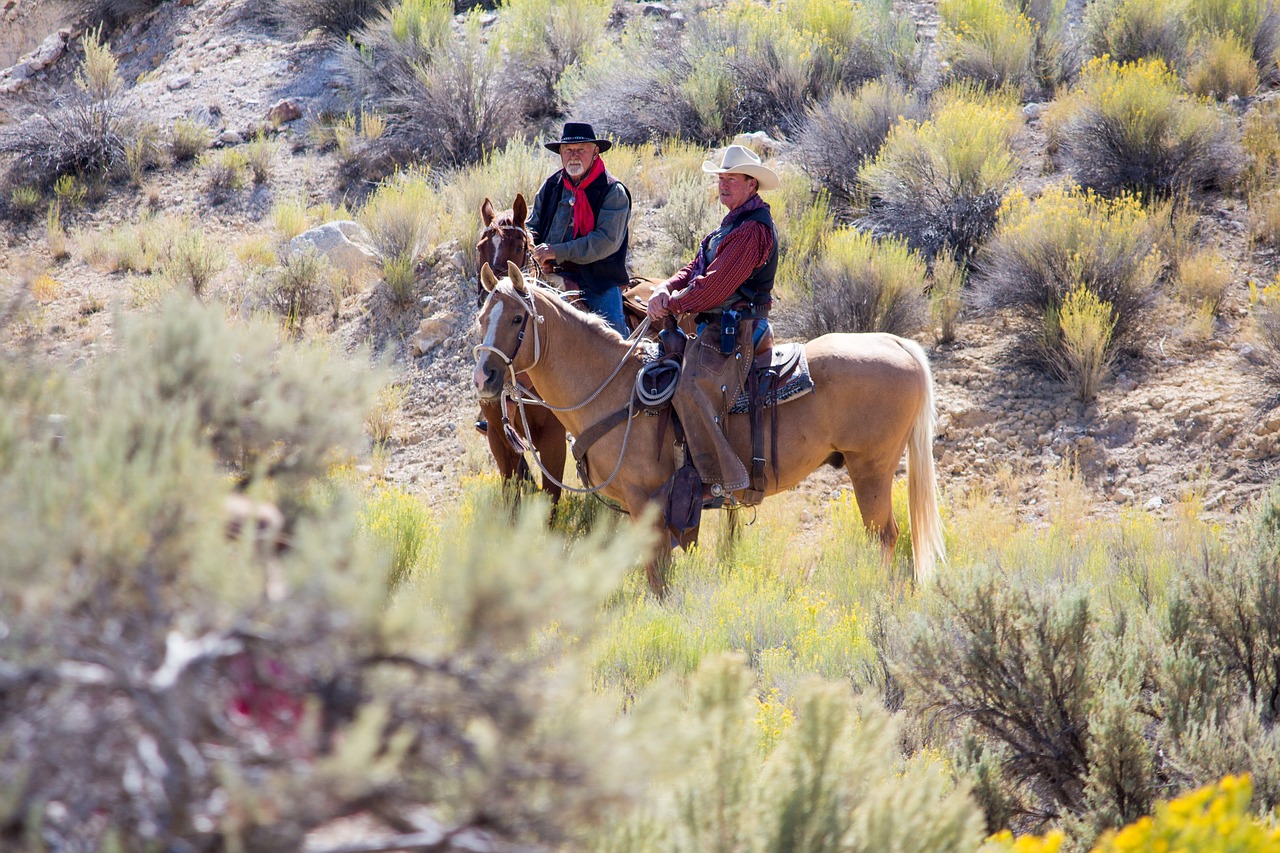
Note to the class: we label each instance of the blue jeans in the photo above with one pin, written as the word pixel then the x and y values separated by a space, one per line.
pixel 609 306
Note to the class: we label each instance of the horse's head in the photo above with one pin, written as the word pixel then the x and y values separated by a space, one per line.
pixel 504 323
pixel 505 239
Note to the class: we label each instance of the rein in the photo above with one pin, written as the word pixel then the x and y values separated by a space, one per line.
pixel 522 395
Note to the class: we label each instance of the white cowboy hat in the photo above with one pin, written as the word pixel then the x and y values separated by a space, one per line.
pixel 742 161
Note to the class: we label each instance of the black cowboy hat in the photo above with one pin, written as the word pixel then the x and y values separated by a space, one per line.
pixel 578 131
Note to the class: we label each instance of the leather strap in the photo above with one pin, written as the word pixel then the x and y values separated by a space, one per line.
pixel 592 434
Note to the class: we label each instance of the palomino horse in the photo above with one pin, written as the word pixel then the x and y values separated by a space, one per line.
pixel 872 399
pixel 505 239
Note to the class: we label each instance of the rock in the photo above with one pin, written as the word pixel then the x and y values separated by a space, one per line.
pixel 49 50
pixel 432 331
pixel 344 243
pixel 182 81
pixel 1032 111
pixel 1153 504
pixel 656 10
pixel 229 137
pixel 759 139
pixel 806 517
pixel 1251 354
pixel 21 72
pixel 284 111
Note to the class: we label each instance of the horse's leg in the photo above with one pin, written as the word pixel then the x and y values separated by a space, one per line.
pixel 508 461
pixel 549 439
pixel 874 493
pixel 659 562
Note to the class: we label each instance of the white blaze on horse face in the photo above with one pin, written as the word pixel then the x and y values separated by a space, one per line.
pixel 480 374
pixel 497 245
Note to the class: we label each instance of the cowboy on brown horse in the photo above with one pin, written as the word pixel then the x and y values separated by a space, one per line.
pixel 580 226
pixel 727 288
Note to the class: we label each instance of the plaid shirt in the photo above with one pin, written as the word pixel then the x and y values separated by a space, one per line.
pixel 744 250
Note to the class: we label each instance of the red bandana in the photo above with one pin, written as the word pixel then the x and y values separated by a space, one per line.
pixel 584 220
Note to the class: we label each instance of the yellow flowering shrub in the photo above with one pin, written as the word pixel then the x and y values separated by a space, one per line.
pixel 1068 238
pixel 1212 819
pixel 940 182
pixel 1130 126
pixel 987 41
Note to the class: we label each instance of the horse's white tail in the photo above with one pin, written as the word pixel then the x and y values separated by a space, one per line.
pixel 922 482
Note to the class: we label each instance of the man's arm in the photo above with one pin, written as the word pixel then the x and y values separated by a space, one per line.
pixel 535 222
pixel 605 238
pixel 742 252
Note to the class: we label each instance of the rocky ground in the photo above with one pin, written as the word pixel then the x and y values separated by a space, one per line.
pixel 1190 418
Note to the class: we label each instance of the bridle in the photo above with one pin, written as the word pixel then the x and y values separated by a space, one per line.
pixel 526 264
pixel 521 395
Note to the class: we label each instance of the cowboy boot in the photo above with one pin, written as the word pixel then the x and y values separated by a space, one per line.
pixel 708 385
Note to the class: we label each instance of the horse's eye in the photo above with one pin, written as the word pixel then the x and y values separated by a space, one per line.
pixel 517 320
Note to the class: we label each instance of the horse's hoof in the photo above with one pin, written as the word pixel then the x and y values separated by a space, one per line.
pixel 482 427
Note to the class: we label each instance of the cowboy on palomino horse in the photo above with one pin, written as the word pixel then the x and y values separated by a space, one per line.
pixel 580 226
pixel 728 288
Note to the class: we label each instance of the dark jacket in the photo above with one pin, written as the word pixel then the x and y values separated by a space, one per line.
pixel 596 276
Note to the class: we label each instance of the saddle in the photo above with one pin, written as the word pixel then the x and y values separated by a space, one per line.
pixel 777 374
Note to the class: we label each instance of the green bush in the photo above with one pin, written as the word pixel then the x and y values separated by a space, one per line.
pixel 402 217
pixel 301 288
pixel 274 685
pixel 1129 127
pixel 988 42
pixel 1130 30
pixel 189 139
pixel 1015 662
pixel 1068 238
pixel 546 38
pixel 946 296
pixel 1077 338
pixel 861 284
pixel 1223 68
pixel 834 781
pixel 741 67
pixel 225 171
pixel 842 133
pixel 940 183
pixel 193 262
pixel 1255 23
pixel 88 133
pixel 444 99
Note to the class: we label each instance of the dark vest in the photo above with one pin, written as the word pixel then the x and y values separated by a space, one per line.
pixel 756 290
pixel 607 272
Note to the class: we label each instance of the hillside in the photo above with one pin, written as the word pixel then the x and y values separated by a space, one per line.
pixel 1191 416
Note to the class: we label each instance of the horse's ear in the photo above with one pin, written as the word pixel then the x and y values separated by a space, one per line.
pixel 487 278
pixel 519 210
pixel 487 214
pixel 517 277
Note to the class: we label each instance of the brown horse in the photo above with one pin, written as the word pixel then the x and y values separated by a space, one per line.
pixel 873 399
pixel 505 239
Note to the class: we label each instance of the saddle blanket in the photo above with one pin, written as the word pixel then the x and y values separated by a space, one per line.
pixel 799 383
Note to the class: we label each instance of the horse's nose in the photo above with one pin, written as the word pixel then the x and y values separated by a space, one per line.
pixel 487 380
